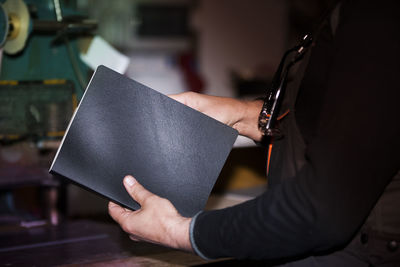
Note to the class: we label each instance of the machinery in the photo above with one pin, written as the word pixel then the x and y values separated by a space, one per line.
pixel 14 26
pixel 41 81
pixel 42 77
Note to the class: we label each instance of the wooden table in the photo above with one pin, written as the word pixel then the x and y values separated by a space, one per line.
pixel 86 243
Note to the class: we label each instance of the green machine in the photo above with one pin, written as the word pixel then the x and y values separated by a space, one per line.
pixel 42 77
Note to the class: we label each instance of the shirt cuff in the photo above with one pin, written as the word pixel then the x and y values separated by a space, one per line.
pixel 192 241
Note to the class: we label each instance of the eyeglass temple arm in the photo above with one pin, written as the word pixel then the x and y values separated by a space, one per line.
pixel 280 91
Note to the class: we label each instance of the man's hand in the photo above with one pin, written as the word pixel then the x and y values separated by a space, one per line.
pixel 157 221
pixel 240 114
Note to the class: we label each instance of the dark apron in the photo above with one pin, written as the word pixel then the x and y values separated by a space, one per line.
pixel 378 241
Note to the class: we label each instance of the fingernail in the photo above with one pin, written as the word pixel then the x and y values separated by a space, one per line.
pixel 130 180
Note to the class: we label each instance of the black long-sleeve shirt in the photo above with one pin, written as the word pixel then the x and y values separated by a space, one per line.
pixel 347 110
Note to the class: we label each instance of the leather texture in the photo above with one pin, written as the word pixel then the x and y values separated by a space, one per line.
pixel 123 127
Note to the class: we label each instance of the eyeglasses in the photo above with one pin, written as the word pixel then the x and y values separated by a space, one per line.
pixel 269 114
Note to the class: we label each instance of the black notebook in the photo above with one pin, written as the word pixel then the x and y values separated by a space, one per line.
pixel 123 127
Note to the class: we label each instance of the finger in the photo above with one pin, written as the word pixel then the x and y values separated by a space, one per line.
pixel 174 96
pixel 117 212
pixel 134 238
pixel 136 190
pixel 179 97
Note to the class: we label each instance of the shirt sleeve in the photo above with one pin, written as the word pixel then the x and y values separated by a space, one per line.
pixel 350 159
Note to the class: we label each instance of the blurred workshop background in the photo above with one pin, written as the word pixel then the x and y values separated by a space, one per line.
pixel 48 52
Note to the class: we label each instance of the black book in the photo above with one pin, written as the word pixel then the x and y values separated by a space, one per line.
pixel 123 127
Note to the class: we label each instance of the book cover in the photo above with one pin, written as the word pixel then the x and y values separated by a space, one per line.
pixel 123 127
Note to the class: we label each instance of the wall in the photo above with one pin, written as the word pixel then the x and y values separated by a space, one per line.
pixel 238 35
